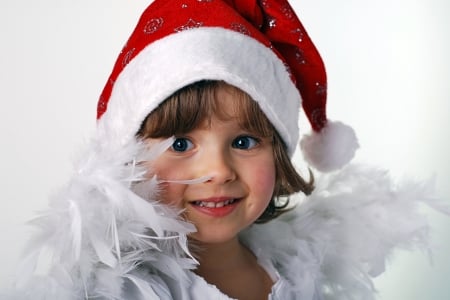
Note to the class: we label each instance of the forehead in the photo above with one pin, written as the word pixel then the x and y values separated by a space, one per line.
pixel 230 102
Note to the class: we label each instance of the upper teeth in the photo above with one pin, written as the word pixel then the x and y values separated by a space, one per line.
pixel 214 204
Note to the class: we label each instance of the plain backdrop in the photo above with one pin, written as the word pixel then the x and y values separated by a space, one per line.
pixel 388 71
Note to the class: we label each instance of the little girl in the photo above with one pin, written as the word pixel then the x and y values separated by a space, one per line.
pixel 222 136
pixel 187 190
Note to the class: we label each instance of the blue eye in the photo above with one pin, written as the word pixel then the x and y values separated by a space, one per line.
pixel 182 145
pixel 245 142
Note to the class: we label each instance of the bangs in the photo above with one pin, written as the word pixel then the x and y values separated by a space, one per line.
pixel 192 105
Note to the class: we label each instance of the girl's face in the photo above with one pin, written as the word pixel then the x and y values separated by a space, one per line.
pixel 241 169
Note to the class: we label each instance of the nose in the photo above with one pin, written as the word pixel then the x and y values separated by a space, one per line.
pixel 219 165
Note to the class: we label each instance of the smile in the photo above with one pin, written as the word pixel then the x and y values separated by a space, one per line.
pixel 216 207
pixel 214 204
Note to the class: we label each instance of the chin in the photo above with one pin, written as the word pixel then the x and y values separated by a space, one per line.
pixel 213 237
pixel 209 238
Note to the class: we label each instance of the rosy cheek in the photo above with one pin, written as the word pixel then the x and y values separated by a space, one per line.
pixel 265 180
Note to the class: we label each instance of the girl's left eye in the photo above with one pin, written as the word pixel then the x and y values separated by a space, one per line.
pixel 245 142
pixel 182 145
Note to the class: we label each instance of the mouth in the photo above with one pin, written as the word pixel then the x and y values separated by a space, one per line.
pixel 214 204
pixel 216 207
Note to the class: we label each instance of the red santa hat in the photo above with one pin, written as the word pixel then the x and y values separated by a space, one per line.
pixel 259 46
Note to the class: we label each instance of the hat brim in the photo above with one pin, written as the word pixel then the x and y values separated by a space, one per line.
pixel 185 57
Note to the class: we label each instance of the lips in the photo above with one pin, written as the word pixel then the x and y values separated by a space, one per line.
pixel 216 207
pixel 212 204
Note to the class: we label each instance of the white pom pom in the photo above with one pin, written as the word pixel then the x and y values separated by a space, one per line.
pixel 331 148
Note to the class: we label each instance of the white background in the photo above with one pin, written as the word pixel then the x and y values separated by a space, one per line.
pixel 388 70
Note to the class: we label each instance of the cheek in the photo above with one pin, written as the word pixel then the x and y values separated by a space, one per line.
pixel 165 169
pixel 170 194
pixel 264 180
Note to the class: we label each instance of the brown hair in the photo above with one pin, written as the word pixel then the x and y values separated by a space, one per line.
pixel 190 106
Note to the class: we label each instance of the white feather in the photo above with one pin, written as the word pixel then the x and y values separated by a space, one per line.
pixel 75 227
pixel 190 181
pixel 144 288
pixel 102 250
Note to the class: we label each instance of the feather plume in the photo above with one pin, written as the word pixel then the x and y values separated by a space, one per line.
pixel 344 233
pixel 99 231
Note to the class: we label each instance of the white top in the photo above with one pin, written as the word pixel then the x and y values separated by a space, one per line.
pixel 201 289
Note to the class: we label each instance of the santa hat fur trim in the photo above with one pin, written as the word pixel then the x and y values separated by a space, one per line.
pixel 180 59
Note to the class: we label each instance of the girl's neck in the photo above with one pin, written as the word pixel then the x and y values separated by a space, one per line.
pixel 221 256
pixel 233 269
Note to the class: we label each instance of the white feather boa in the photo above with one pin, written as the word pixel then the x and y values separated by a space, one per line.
pixel 102 238
pixel 332 244
pixel 98 234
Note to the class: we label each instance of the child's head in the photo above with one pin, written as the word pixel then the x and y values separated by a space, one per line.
pixel 195 105
pixel 185 52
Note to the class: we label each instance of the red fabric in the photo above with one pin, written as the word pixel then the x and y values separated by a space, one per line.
pixel 271 22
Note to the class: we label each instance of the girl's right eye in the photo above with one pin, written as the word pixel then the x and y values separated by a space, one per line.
pixel 182 145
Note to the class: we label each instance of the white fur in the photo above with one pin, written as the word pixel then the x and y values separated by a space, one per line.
pixel 192 55
pixel 331 148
